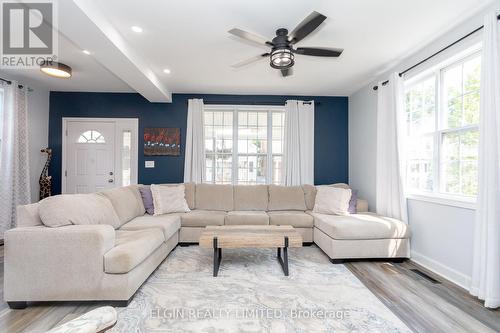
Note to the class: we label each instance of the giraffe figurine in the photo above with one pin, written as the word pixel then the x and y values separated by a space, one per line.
pixel 45 180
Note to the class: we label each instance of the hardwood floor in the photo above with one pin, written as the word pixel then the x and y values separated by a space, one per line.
pixel 424 306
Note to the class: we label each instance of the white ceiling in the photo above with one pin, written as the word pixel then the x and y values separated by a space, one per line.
pixel 88 74
pixel 190 38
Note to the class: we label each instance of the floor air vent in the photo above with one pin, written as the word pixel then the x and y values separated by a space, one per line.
pixel 425 276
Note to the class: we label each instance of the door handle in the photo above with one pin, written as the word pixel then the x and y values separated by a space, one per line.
pixel 110 180
pixel 111 173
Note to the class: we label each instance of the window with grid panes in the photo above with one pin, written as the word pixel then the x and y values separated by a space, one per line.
pixel 243 144
pixel 442 115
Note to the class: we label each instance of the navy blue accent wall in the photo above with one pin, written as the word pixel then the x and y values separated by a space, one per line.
pixel 330 152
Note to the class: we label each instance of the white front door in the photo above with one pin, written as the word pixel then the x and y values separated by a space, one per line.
pixel 90 156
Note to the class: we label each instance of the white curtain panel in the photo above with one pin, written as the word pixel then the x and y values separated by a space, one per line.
pixel 389 185
pixel 299 143
pixel 194 160
pixel 485 282
pixel 14 163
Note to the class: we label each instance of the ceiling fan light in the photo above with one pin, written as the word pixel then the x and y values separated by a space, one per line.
pixel 282 58
pixel 56 69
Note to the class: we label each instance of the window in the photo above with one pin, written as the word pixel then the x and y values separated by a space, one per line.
pixel 126 152
pixel 243 144
pixel 442 115
pixel 91 137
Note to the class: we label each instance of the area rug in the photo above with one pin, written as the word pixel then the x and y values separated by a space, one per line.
pixel 251 294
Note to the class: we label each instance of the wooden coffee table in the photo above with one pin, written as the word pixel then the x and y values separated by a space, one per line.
pixel 250 236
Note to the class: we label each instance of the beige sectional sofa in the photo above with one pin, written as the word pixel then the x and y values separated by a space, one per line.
pixel 110 262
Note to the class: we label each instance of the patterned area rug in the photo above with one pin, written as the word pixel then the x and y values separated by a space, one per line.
pixel 251 294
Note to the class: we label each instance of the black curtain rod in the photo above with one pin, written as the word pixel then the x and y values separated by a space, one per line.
pixel 20 86
pixel 435 54
pixel 249 103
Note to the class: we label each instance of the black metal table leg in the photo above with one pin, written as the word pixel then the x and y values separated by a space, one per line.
pixel 217 257
pixel 284 261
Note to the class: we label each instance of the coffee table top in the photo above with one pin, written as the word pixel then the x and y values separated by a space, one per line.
pixel 250 236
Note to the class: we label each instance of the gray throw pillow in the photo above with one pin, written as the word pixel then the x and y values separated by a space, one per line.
pixel 353 203
pixel 147 199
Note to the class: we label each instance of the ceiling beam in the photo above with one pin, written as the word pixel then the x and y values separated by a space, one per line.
pixel 88 28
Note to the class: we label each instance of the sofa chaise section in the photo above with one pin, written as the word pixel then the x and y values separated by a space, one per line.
pixel 361 236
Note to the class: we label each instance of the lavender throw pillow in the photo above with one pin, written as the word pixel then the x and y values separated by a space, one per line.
pixel 147 199
pixel 353 203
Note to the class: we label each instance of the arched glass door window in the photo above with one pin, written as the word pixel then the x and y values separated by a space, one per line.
pixel 91 136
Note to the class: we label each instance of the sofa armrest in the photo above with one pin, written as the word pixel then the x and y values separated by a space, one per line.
pixel 362 206
pixel 42 260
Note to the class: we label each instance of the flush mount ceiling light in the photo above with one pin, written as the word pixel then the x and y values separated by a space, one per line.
pixel 86 52
pixel 56 69
pixel 166 71
pixel 136 29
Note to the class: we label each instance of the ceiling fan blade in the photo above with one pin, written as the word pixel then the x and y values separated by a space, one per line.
pixel 287 72
pixel 308 25
pixel 319 51
pixel 250 60
pixel 250 37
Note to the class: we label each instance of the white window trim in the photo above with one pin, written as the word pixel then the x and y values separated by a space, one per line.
pixel 235 108
pixel 461 201
pixel 443 199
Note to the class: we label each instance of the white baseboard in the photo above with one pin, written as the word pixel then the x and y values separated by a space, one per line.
pixel 446 272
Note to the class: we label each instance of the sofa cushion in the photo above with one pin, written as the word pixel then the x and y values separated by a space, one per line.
pixel 131 248
pixel 169 199
pixel 361 226
pixel 251 197
pixel 189 192
pixel 310 193
pixel 127 202
pixel 169 223
pixel 332 200
pixel 286 198
pixel 67 209
pixel 202 218
pixel 28 215
pixel 147 199
pixel 214 197
pixel 246 218
pixel 294 218
pixel 353 203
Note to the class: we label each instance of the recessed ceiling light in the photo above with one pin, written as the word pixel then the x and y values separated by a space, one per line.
pixel 86 52
pixel 56 69
pixel 136 29
pixel 166 71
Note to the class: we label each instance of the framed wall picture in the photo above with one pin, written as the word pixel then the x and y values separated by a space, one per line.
pixel 162 141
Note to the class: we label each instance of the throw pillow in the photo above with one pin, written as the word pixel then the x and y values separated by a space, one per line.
pixel 169 199
pixel 147 199
pixel 332 200
pixel 353 203
pixel 67 209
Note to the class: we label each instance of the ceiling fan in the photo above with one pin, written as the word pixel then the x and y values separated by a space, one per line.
pixel 282 54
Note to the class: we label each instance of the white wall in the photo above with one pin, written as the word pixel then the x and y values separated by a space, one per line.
pixel 362 143
pixel 38 123
pixel 442 236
